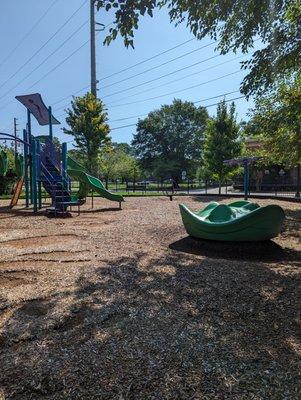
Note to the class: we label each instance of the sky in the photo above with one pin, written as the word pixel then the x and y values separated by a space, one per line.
pixel 45 48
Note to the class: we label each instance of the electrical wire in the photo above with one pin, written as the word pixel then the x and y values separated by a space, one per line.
pixel 113 105
pixel 209 105
pixel 28 33
pixel 195 102
pixel 176 91
pixel 59 64
pixel 46 59
pixel 161 77
pixel 147 59
pixel 45 44
pixel 70 95
pixel 54 68
pixel 159 66
pixel 172 73
pixel 132 66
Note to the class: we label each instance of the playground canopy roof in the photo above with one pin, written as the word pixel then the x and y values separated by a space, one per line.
pixel 34 103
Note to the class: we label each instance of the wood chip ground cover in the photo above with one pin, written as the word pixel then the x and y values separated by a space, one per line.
pixel 124 305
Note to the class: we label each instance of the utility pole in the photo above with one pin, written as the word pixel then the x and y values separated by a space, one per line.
pixel 93 50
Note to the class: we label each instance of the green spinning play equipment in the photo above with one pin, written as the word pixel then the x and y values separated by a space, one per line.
pixel 238 221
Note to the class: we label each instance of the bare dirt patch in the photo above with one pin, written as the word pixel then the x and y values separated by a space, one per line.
pixel 124 305
pixel 10 279
pixel 39 241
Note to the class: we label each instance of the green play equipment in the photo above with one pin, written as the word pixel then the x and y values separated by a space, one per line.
pixel 19 165
pixel 238 221
pixel 87 181
pixel 3 163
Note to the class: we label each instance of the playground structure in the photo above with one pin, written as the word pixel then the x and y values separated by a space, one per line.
pixel 44 165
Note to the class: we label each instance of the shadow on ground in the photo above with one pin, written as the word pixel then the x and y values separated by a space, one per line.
pixel 168 327
pixel 100 210
pixel 267 251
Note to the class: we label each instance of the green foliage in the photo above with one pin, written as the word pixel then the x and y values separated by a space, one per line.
pixel 203 174
pixel 115 163
pixel 7 181
pixel 125 147
pixel 234 23
pixel 10 157
pixel 87 119
pixel 170 139
pixel 276 121
pixel 221 143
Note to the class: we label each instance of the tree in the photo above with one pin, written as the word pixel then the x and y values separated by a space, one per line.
pixel 125 147
pixel 277 119
pixel 115 163
pixel 7 181
pixel 221 143
pixel 170 139
pixel 235 24
pixel 87 119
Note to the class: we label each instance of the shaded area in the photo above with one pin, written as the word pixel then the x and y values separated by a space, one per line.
pixel 167 327
pixel 266 251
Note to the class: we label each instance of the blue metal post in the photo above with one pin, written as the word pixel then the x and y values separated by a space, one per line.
pixel 26 167
pixel 30 149
pixel 34 175
pixel 50 123
pixel 39 175
pixel 64 164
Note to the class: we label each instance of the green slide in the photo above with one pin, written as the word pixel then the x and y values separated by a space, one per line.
pixel 238 221
pixel 78 172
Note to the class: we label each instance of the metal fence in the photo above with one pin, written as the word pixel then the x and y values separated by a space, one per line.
pixel 210 187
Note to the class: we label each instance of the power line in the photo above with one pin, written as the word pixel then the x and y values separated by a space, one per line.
pixel 67 97
pixel 162 76
pixel 209 105
pixel 45 44
pixel 132 66
pixel 46 59
pixel 53 69
pixel 172 73
pixel 29 32
pixel 144 83
pixel 195 102
pixel 163 95
pixel 176 91
pixel 147 59
pixel 59 64
pixel 158 66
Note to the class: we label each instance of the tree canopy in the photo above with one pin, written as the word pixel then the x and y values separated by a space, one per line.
pixel 221 142
pixel 116 163
pixel 87 119
pixel 170 139
pixel 235 24
pixel 276 121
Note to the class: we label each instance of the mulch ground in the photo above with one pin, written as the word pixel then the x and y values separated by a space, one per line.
pixel 124 305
